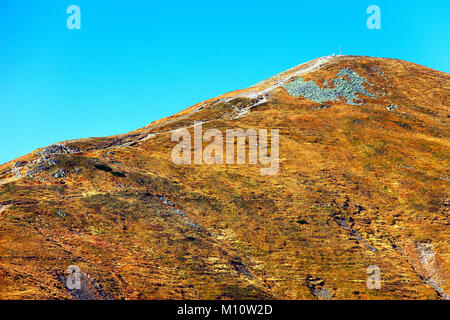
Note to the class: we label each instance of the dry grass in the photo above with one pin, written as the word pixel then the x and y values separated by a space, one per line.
pixel 384 173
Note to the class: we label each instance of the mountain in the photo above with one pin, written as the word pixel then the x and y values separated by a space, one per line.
pixel 359 190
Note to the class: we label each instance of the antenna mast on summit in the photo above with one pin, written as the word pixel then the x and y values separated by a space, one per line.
pixel 340 50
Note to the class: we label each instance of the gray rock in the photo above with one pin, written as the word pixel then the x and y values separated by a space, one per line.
pixel 58 149
pixel 61 214
pixel 19 164
pixel 344 88
pixel 321 107
pixel 60 174
pixel 392 107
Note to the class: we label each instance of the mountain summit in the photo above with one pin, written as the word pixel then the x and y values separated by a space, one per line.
pixel 358 207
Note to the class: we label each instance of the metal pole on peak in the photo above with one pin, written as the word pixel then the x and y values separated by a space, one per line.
pixel 340 50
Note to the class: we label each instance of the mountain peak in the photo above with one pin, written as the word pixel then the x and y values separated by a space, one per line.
pixel 362 185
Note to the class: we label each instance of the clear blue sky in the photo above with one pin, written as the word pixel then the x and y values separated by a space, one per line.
pixel 133 62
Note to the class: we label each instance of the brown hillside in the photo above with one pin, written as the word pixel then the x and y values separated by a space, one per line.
pixel 363 180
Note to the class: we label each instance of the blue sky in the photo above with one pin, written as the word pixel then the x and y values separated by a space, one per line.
pixel 134 62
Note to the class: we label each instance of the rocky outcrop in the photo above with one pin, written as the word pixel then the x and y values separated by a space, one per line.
pixel 344 88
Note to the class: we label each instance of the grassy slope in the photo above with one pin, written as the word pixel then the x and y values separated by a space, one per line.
pixel 382 172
